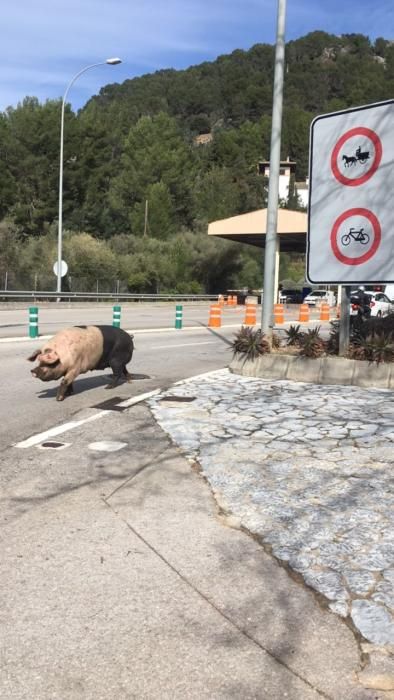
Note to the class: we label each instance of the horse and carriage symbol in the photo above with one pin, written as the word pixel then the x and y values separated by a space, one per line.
pixel 359 236
pixel 360 157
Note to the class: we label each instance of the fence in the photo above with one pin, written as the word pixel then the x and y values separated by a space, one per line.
pixel 14 281
pixel 33 295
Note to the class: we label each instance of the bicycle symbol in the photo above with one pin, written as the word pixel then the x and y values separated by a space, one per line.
pixel 359 236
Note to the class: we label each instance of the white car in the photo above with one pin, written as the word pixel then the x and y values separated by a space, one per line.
pixel 380 304
pixel 318 296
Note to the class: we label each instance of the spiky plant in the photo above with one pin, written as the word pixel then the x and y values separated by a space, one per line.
pixel 311 345
pixel 275 342
pixel 315 332
pixel 356 352
pixel 250 343
pixel 293 335
pixel 375 347
pixel 332 345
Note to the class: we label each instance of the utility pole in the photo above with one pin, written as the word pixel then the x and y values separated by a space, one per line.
pixel 146 218
pixel 273 186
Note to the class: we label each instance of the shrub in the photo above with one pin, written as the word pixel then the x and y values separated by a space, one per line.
pixel 275 342
pixel 294 335
pixel 250 343
pixel 375 347
pixel 311 344
pixel 373 325
pixel 332 345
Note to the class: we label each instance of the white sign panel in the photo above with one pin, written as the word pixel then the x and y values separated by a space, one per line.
pixel 351 207
pixel 63 268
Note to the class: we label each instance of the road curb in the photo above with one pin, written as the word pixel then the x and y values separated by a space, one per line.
pixel 323 370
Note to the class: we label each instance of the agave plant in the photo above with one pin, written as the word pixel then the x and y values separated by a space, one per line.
pixel 294 335
pixel 375 347
pixel 250 343
pixel 312 345
pixel 275 341
pixel 356 351
pixel 332 345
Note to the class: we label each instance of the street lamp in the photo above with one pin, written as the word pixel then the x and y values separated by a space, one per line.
pixel 110 62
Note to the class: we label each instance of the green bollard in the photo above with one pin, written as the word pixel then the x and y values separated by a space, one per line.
pixel 33 322
pixel 178 316
pixel 116 316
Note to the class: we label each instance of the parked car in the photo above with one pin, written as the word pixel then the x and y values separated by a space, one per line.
pixel 318 296
pixel 291 296
pixel 379 303
pixel 389 291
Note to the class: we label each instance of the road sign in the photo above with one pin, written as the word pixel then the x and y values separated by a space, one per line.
pixel 351 214
pixel 63 268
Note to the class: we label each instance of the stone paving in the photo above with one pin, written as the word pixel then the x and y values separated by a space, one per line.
pixel 307 468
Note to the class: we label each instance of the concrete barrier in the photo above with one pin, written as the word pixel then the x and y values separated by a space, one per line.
pixel 323 370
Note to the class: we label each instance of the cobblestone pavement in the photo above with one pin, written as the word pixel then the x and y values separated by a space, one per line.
pixel 307 468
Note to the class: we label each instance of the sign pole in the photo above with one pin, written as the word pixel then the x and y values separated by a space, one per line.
pixel 344 322
pixel 273 187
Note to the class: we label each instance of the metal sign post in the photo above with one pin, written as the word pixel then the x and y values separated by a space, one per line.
pixel 273 187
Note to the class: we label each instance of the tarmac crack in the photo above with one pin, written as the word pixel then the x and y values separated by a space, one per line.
pixel 207 600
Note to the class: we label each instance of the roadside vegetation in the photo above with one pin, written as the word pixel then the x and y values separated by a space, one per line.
pixel 372 340
pixel 148 163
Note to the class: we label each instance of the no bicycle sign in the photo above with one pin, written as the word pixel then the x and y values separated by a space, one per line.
pixel 351 208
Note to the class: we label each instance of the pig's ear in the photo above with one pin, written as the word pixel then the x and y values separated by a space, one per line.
pixel 34 355
pixel 48 357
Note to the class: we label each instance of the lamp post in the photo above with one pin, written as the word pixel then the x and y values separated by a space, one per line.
pixel 271 239
pixel 110 62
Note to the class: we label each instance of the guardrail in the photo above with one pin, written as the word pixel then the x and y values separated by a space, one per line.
pixel 101 296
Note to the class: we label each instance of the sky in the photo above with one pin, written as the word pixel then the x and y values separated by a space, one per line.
pixel 45 43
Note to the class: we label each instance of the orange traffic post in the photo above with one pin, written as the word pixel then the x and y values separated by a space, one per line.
pixel 324 312
pixel 221 300
pixel 235 300
pixel 215 316
pixel 250 315
pixel 304 313
pixel 279 314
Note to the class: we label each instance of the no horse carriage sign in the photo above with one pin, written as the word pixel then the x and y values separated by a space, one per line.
pixel 351 208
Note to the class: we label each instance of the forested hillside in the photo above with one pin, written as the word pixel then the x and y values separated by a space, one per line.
pixel 136 143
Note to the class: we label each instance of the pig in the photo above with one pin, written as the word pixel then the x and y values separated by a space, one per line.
pixel 76 350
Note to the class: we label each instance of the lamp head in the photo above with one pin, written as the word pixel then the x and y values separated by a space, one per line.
pixel 113 61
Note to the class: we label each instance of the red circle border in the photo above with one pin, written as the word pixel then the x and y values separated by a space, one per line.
pixel 363 131
pixel 377 231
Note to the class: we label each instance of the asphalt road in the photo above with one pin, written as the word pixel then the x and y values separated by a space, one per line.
pixel 160 358
pixel 52 317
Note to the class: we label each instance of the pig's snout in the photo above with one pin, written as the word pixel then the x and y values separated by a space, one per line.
pixel 43 373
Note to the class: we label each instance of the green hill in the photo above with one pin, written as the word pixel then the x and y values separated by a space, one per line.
pixel 138 141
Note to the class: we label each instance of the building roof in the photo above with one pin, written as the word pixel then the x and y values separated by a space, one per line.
pixel 251 228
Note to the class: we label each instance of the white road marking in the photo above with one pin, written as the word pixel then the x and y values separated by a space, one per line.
pixel 139 398
pixel 65 427
pixel 57 430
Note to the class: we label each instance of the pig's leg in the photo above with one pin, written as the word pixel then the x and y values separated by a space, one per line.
pixel 117 369
pixel 127 374
pixel 66 385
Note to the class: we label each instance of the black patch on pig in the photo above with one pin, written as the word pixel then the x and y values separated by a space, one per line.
pixel 118 347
